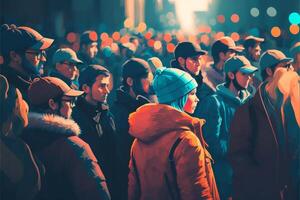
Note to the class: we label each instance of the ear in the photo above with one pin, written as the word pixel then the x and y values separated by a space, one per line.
pixel 230 75
pixel 86 88
pixel 181 60
pixel 269 71
pixel 222 56
pixel 52 104
pixel 129 81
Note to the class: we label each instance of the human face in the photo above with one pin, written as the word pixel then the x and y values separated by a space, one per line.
pixel 146 82
pixel 66 108
pixel 34 57
pixel 92 50
pixel 193 65
pixel 243 79
pixel 255 52
pixel 100 89
pixel 229 54
pixel 191 102
pixel 67 69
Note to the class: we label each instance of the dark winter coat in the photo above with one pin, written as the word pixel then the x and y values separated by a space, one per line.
pixel 71 169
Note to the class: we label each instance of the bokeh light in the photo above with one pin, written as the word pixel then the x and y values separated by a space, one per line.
pixel 235 36
pixel 104 36
pixel 170 47
pixel 235 18
pixel 167 37
pixel 141 27
pixel 128 23
pixel 221 19
pixel 151 42
pixel 254 12
pixel 116 36
pixel 148 35
pixel 294 18
pixel 271 11
pixel 157 45
pixel 275 31
pixel 294 29
pixel 71 37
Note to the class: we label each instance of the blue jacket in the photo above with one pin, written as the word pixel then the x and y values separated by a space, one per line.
pixel 218 111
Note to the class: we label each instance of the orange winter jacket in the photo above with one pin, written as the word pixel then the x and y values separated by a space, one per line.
pixel 157 128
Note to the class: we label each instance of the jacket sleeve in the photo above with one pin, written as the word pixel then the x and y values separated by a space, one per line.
pixel 240 152
pixel 19 166
pixel 192 179
pixel 84 172
pixel 209 110
pixel 133 185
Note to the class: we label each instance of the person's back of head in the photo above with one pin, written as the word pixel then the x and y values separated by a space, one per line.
pixel 172 87
pixel 270 60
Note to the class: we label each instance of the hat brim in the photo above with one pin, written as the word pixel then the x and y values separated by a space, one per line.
pixel 256 39
pixel 74 93
pixel 237 48
pixel 248 69
pixel 44 43
pixel 287 60
pixel 199 53
pixel 77 61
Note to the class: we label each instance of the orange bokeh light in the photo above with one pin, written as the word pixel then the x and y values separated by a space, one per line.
pixel 148 35
pixel 170 47
pixel 168 37
pixel 294 29
pixel 276 31
pixel 235 18
pixel 151 42
pixel 116 36
pixel 71 37
pixel 221 19
pixel 235 36
pixel 104 36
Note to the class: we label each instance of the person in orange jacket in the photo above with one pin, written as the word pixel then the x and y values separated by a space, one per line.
pixel 169 159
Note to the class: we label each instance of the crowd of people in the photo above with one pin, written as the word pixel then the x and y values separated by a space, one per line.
pixel 221 123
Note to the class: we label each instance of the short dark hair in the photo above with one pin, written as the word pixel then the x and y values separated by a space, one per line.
pixel 216 49
pixel 89 75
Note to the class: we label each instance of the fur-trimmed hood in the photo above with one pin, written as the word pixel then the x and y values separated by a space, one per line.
pixel 53 123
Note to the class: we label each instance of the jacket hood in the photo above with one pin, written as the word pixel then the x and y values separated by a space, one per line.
pixel 227 93
pixel 53 123
pixel 151 121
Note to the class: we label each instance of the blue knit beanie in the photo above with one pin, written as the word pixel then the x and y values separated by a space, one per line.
pixel 171 84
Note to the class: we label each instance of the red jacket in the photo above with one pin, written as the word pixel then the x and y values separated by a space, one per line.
pixel 71 169
pixel 156 127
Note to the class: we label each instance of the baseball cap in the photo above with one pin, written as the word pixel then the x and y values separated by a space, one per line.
pixel 272 57
pixel 239 63
pixel 45 88
pixel 135 68
pixel 295 48
pixel 188 49
pixel 88 37
pixel 22 38
pixel 65 54
pixel 226 43
pixel 251 40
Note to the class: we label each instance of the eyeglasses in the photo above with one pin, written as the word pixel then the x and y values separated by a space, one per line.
pixel 38 54
pixel 72 101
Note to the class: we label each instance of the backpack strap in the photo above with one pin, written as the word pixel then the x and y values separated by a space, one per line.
pixel 137 176
pixel 173 168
